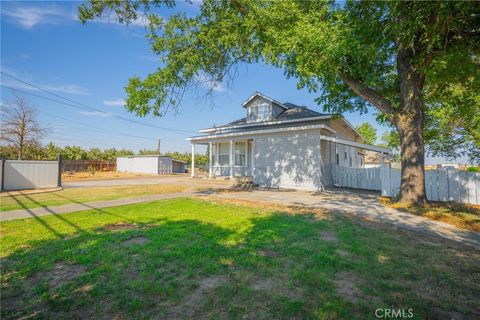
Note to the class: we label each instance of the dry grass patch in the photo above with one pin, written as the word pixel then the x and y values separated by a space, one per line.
pixel 98 175
pixel 464 216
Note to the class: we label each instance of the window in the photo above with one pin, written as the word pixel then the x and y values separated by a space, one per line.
pixel 345 157
pixel 263 112
pixel 240 154
pixel 224 154
pixel 338 159
pixel 350 161
pixel 252 113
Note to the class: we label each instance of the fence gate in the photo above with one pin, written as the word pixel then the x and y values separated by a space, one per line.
pixel 357 178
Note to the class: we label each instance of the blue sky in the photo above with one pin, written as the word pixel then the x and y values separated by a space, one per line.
pixel 43 43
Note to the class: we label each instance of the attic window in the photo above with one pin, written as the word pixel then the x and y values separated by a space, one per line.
pixel 263 112
pixel 252 113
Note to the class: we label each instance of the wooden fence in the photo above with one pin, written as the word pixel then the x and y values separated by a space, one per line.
pixel 88 165
pixel 445 184
pixel 357 178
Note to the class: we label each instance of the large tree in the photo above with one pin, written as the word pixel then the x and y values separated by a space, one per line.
pixel 19 126
pixel 396 56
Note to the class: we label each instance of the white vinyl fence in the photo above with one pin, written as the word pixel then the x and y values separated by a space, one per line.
pixel 445 184
pixel 357 178
pixel 26 174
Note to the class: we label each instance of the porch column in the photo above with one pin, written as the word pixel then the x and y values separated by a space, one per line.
pixel 231 158
pixel 210 157
pixel 252 162
pixel 193 160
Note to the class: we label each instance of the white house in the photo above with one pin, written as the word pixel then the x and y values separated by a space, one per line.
pixel 283 145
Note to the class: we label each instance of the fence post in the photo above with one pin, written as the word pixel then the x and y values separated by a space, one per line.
pixel 3 174
pixel 59 169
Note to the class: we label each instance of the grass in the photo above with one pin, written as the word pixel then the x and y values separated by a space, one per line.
pixel 187 258
pixel 460 215
pixel 82 195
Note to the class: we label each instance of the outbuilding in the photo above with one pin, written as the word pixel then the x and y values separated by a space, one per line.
pixel 151 164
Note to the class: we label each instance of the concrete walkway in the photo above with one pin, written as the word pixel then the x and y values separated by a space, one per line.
pixel 364 205
pixel 45 211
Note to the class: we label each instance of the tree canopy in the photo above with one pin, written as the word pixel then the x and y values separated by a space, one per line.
pixel 417 63
pixel 368 132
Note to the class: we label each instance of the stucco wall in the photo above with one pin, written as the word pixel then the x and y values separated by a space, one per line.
pixel 288 160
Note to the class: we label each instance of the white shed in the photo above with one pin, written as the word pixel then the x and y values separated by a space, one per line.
pixel 152 164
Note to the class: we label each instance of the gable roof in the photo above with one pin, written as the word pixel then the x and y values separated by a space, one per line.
pixel 292 113
pixel 259 94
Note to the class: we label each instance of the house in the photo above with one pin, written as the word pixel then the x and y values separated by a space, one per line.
pixel 374 159
pixel 283 145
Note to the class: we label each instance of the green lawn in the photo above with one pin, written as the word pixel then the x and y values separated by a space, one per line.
pixel 81 195
pixel 186 258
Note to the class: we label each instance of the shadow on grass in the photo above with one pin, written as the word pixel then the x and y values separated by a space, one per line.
pixel 274 266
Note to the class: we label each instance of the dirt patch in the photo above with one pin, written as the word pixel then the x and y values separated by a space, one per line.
pixel 266 284
pixel 453 315
pixel 194 300
pixel 346 286
pixel 61 274
pixel 343 253
pixel 135 241
pixel 329 236
pixel 268 253
pixel 122 226
pixel 212 282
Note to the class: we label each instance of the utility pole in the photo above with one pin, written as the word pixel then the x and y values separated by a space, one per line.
pixel 158 147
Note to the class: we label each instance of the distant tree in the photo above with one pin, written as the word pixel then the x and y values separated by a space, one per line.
pixel 8 152
pixel 74 153
pixel 368 132
pixel 52 151
pixel 391 140
pixel 19 125
pixel 147 152
pixel 95 154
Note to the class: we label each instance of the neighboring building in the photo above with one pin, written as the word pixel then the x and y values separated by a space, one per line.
pixel 283 145
pixel 375 159
pixel 151 164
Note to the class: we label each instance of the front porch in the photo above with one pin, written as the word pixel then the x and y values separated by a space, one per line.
pixel 228 158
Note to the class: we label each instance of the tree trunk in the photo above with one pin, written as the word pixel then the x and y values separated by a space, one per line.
pixel 410 123
pixel 412 187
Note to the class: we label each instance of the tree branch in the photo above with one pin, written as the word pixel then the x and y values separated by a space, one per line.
pixel 369 94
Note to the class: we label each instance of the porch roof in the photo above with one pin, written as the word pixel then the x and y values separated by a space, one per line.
pixel 253 133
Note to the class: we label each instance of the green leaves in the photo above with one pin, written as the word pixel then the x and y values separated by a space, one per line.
pixel 315 42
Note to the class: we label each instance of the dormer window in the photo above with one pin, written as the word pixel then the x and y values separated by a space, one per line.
pixel 264 113
pixel 259 112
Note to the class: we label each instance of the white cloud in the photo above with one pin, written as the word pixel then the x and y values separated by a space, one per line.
pixel 209 83
pixel 114 102
pixel 68 88
pixel 140 21
pixel 29 16
pixel 96 114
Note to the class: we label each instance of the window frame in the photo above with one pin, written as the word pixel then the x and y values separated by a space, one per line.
pixel 220 154
pixel 237 155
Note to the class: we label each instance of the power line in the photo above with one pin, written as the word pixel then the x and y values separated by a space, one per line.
pixel 97 128
pixel 86 107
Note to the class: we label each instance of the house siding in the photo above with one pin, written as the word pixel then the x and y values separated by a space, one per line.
pixel 287 160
